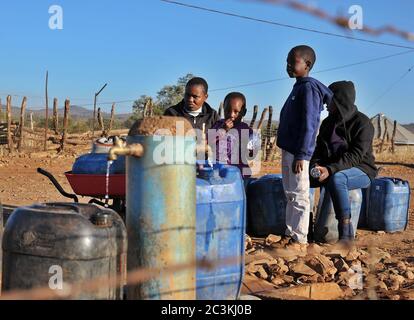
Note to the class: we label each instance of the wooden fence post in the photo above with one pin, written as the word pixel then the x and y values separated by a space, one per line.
pixel 47 112
pixel 394 131
pixel 259 128
pixel 255 111
pixel 22 111
pixel 221 110
pixel 111 122
pixel 151 108
pixel 100 121
pixel 385 134
pixel 55 116
pixel 379 127
pixel 65 124
pixel 269 133
pixel 9 137
pixel 31 121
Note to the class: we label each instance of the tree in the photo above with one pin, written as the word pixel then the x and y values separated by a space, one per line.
pixel 170 95
pixel 138 106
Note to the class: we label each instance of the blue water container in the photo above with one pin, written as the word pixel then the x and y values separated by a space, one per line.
pixel 363 216
pixel 266 206
pixel 97 163
pixel 388 204
pixel 220 228
pixel 326 224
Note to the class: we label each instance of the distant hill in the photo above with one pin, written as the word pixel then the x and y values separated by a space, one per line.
pixel 409 126
pixel 76 112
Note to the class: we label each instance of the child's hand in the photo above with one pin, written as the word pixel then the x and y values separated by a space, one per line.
pixel 324 173
pixel 297 166
pixel 228 124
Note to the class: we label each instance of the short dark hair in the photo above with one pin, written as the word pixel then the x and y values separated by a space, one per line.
pixel 197 81
pixel 236 95
pixel 307 53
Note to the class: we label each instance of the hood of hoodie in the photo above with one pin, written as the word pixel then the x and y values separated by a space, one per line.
pixel 344 98
pixel 325 92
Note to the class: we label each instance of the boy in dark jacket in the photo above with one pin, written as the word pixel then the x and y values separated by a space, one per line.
pixel 194 106
pixel 344 154
pixel 298 126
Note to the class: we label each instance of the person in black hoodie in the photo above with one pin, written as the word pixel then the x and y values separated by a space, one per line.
pixel 194 106
pixel 344 154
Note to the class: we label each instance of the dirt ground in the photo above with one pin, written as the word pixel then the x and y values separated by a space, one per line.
pixel 20 184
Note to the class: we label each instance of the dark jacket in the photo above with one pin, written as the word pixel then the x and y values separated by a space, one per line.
pixel 208 115
pixel 353 127
pixel 300 117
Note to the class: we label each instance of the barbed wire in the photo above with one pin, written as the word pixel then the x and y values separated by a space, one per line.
pixel 134 277
pixel 275 23
pixel 340 21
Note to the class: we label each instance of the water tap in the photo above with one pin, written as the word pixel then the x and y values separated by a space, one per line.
pixel 120 149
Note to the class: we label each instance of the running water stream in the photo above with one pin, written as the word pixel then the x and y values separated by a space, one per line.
pixel 108 166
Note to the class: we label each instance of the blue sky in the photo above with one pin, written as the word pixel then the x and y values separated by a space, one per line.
pixel 139 46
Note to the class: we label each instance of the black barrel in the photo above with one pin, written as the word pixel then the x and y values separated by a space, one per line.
pixel 45 245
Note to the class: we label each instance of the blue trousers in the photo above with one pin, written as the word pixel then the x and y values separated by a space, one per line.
pixel 339 185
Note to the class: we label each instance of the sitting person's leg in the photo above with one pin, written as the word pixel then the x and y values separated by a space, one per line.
pixel 339 185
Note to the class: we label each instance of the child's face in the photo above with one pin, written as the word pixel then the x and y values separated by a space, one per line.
pixel 296 65
pixel 233 108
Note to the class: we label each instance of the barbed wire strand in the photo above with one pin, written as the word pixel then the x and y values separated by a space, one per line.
pixel 134 277
pixel 390 88
pixel 235 15
pixel 339 20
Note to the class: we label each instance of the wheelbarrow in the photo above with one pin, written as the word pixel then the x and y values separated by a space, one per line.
pixel 94 186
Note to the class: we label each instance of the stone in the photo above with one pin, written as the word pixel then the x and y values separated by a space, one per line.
pixel 352 255
pixel 301 268
pixel 278 266
pixel 322 265
pixel 408 295
pixel 395 297
pixel 257 256
pixel 401 267
pixel 315 291
pixel 278 281
pixel 248 297
pixel 393 284
pixel 382 285
pixel 253 285
pixel 341 265
pixel 348 292
pixel 409 275
pixel 398 278
pixel 261 272
pixel 382 276
pixel 380 232
pixel 271 238
pixel 336 252
pixel 251 250
pixel 252 268
pixel 248 243
pixel 288 279
pixel 261 262
pixel 313 248
pixel 316 278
